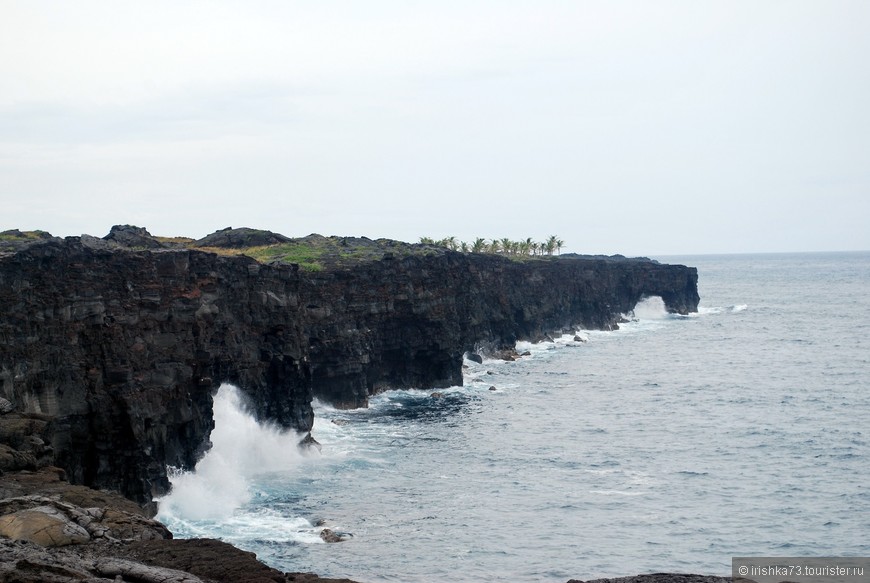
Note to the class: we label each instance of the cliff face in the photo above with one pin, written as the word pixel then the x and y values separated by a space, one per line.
pixel 406 322
pixel 120 350
pixel 123 350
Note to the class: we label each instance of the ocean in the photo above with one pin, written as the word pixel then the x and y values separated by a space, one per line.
pixel 669 445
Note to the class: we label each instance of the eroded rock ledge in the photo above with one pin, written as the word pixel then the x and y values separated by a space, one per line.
pixel 111 349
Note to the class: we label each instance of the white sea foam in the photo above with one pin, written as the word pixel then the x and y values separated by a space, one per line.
pixel 241 449
pixel 715 310
pixel 650 308
pixel 616 493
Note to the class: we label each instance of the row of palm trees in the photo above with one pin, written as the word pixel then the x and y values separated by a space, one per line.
pixel 505 246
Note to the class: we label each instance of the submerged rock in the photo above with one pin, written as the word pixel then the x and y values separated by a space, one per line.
pixel 332 536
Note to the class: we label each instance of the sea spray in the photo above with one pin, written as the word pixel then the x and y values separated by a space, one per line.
pixel 650 308
pixel 241 448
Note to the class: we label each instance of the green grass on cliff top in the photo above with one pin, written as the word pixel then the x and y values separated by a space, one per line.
pixel 315 252
pixel 15 235
pixel 306 256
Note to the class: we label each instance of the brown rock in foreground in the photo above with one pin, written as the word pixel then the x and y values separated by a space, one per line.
pixel 53 531
pixel 216 561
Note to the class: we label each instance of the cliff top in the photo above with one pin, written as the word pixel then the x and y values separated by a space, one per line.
pixel 312 253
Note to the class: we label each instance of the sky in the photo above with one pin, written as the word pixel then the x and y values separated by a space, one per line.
pixel 637 127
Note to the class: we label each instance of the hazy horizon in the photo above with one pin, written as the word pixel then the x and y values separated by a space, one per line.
pixel 633 127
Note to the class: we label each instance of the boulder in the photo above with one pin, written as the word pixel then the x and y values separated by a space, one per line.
pixel 240 238
pixel 43 525
pixel 23 518
pixel 134 237
pixel 6 406
pixel 333 536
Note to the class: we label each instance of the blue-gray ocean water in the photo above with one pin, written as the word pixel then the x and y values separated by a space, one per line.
pixel 672 444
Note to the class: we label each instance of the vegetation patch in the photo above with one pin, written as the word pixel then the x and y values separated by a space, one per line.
pixel 15 235
pixel 505 246
pixel 306 256
pixel 175 241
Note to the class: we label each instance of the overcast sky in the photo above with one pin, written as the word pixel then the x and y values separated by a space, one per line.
pixel 636 127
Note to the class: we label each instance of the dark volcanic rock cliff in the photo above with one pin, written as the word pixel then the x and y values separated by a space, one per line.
pixel 122 351
pixel 113 353
pixel 406 322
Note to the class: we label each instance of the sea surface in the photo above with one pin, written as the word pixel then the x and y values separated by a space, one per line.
pixel 669 445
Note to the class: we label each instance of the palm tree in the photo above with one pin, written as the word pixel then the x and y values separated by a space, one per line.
pixel 449 242
pixel 525 247
pixel 529 246
pixel 427 240
pixel 550 245
pixel 495 246
pixel 479 245
pixel 506 245
pixel 559 243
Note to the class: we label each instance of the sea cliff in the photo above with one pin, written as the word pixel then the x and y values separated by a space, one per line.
pixel 111 350
pixel 116 345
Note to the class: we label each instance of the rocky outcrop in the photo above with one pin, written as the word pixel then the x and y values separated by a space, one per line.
pixel 133 237
pixel 157 561
pixel 240 238
pixel 111 349
pixel 51 530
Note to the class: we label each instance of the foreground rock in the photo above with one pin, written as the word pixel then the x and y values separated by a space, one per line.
pixel 53 531
pixel 168 561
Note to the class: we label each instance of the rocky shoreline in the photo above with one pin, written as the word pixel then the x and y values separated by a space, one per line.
pixel 111 349
pixel 55 532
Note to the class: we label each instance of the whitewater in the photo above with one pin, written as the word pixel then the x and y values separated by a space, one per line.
pixel 669 445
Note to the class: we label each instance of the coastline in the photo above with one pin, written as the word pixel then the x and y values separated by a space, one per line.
pixel 124 545
pixel 108 372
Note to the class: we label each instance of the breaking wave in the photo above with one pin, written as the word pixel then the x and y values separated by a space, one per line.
pixel 213 497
